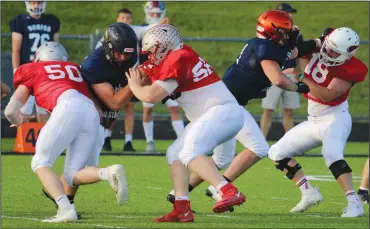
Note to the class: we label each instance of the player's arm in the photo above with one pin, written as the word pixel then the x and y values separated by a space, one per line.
pixel 56 37
pixel 16 49
pixel 113 100
pixel 18 99
pixel 149 93
pixel 278 78
pixel 5 90
pixel 336 88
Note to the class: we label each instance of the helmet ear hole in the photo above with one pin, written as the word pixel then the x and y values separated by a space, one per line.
pixel 352 48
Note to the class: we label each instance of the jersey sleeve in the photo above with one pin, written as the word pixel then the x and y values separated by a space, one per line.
pixel 24 76
pixel 56 24
pixel 289 64
pixel 269 51
pixel 172 69
pixel 16 24
pixel 91 71
pixel 354 70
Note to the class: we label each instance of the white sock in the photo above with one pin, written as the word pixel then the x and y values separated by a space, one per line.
pixel 103 174
pixel 222 184
pixel 351 196
pixel 63 202
pixel 181 198
pixel 107 133
pixel 304 185
pixel 148 130
pixel 128 138
pixel 365 189
pixel 178 126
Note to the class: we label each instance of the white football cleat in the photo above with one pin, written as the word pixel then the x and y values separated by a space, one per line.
pixel 118 182
pixel 354 209
pixel 68 215
pixel 311 198
pixel 150 147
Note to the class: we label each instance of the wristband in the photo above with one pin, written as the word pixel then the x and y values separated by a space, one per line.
pixel 300 77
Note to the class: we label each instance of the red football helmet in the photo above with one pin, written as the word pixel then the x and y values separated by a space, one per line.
pixel 274 25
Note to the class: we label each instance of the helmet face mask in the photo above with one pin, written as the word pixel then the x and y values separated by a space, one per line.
pixel 155 11
pixel 339 46
pixel 159 41
pixel 34 7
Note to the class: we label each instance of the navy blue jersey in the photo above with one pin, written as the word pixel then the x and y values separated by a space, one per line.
pixel 245 78
pixel 35 33
pixel 290 64
pixel 96 69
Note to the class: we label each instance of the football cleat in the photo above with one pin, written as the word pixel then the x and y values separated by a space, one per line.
pixel 215 195
pixel 129 147
pixel 181 213
pixel 56 205
pixel 118 182
pixel 171 198
pixel 354 209
pixel 230 197
pixel 363 196
pixel 107 145
pixel 68 215
pixel 150 147
pixel 311 198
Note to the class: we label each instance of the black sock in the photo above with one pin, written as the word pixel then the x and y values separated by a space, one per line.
pixel 190 187
pixel 71 198
pixel 227 179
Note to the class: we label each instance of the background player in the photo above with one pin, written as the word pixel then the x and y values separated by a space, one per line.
pixel 30 31
pixel 74 125
pixel 330 74
pixel 289 100
pixel 363 191
pixel 177 71
pixel 155 12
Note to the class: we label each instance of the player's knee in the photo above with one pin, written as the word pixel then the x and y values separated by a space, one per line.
pixel 186 157
pixel 339 168
pixel 172 155
pixel 290 165
pixel 222 163
pixel 274 153
pixel 261 150
pixel 37 163
pixel 174 110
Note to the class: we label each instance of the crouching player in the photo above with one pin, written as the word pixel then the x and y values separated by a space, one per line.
pixel 330 73
pixel 73 125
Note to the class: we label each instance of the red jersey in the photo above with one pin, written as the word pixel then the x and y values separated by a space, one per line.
pixel 353 70
pixel 47 80
pixel 184 65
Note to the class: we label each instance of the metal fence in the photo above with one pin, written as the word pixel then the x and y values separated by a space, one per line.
pixel 81 45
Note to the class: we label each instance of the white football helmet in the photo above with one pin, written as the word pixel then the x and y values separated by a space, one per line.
pixel 344 42
pixel 51 51
pixel 154 7
pixel 160 40
pixel 37 10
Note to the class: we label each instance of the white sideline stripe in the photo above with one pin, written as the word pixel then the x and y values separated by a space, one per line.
pixel 87 224
pixel 220 216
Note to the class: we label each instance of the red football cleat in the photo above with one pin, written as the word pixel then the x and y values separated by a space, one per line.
pixel 230 197
pixel 181 213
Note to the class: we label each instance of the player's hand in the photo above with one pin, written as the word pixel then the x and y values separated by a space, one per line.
pixel 165 21
pixel 135 77
pixel 25 118
pixel 302 88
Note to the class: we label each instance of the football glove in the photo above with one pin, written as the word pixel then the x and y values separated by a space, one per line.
pixel 302 88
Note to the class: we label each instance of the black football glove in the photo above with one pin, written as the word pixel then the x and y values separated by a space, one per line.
pixel 302 88
pixel 293 38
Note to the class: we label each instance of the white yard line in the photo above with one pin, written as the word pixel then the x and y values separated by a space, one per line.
pixel 84 224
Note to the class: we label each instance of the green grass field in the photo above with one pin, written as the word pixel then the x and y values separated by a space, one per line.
pixel 270 196
pixel 210 19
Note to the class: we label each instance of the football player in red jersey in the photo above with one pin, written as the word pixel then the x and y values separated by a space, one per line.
pixel 330 73
pixel 74 123
pixel 176 70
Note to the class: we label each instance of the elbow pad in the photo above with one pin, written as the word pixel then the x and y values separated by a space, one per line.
pixel 12 111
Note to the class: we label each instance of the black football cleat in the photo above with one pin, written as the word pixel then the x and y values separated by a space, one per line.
pixel 129 147
pixel 363 195
pixel 107 145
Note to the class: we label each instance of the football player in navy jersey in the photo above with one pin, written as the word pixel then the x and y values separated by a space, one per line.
pixel 30 31
pixel 258 66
